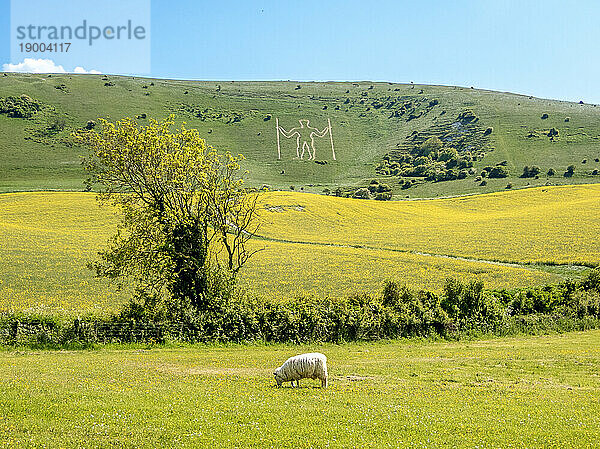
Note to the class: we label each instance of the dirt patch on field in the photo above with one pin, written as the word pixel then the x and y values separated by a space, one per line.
pixel 284 207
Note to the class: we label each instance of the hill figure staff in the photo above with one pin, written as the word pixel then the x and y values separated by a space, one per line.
pixel 278 148
pixel 331 138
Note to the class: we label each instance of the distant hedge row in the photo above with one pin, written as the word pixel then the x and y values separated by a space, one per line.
pixel 397 312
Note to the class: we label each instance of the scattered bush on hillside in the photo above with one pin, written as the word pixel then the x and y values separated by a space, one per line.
pixel 383 188
pixel 530 172
pixel 567 119
pixel 205 114
pixel 362 193
pixel 498 172
pixel 90 124
pixel 552 132
pixel 467 116
pixel 551 172
pixel 544 116
pixel 383 196
pixel 56 125
pixel 373 185
pixel 488 131
pixel 19 107
pixel 570 171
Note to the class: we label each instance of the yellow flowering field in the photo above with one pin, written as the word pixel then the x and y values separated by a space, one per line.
pixel 46 239
pixel 546 224
pixel 292 269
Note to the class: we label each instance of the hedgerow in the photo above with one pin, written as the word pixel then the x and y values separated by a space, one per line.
pixel 462 309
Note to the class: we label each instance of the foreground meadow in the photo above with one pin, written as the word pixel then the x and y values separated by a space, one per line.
pixel 509 392
pixel 47 238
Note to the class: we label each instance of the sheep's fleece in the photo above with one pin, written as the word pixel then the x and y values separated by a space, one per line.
pixel 312 365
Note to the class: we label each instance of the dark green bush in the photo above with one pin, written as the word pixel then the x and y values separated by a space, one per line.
pixel 383 196
pixel 19 107
pixel 570 171
pixel 469 303
pixel 530 172
pixel 498 172
pixel 382 188
pixel 362 193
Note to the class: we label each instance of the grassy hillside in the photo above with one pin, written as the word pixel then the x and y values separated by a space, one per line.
pixel 374 124
pixel 509 392
pixel 314 244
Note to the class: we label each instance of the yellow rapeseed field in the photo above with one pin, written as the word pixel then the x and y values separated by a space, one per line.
pixel 46 239
pixel 292 269
pixel 546 224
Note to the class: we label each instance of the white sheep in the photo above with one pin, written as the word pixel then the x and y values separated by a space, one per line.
pixel 312 365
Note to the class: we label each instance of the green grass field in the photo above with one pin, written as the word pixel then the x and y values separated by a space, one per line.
pixel 510 392
pixel 34 158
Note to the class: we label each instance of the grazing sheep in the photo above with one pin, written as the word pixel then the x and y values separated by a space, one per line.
pixel 312 365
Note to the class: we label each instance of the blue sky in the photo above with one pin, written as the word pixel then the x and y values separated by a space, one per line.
pixel 548 49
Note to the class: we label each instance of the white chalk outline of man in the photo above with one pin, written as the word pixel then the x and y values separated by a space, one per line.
pixel 304 124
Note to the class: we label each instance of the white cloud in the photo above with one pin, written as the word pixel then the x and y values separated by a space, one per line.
pixel 34 66
pixel 30 65
pixel 82 70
